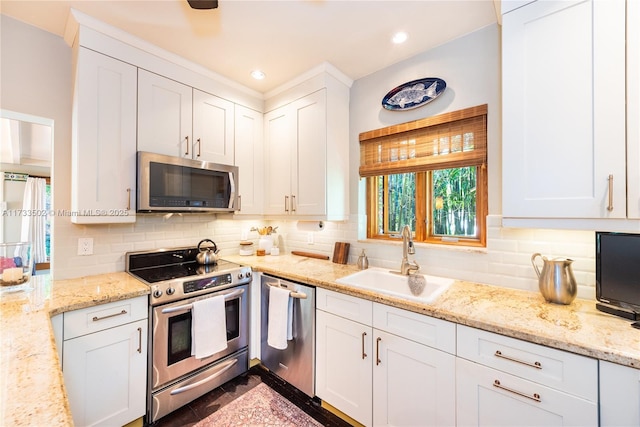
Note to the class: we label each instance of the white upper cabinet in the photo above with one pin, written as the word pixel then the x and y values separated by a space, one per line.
pixel 178 120
pixel 250 159
pixel 164 115
pixel 306 144
pixel 633 109
pixel 103 140
pixel 563 136
pixel 213 122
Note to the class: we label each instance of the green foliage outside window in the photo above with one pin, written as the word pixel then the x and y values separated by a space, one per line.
pixel 454 206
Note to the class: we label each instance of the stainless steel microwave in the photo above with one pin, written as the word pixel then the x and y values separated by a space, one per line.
pixel 174 184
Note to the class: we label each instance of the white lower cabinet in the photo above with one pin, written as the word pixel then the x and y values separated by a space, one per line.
pixel 105 362
pixel 508 382
pixel 380 377
pixel 619 395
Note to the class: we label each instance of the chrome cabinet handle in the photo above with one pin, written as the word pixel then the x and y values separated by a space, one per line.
pixel 286 203
pixel 199 147
pixel 186 138
pixel 536 365
pixel 534 396
pixel 610 207
pixel 227 366
pixel 293 203
pixel 378 361
pixel 96 318
pixel 239 202
pixel 139 340
pixel 128 199
pixel 364 355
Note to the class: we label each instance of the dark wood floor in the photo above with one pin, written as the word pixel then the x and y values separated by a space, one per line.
pixel 206 405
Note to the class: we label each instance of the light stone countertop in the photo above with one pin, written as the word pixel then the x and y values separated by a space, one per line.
pixel 31 383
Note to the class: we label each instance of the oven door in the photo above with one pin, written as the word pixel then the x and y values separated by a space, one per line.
pixel 171 339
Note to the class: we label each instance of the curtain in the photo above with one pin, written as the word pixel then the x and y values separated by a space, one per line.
pixel 34 227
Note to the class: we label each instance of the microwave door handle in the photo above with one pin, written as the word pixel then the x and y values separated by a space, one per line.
pixel 232 183
pixel 227 297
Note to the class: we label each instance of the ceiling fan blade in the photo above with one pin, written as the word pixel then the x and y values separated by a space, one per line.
pixel 203 4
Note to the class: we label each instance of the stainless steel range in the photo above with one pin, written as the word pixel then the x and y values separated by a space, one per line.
pixel 176 377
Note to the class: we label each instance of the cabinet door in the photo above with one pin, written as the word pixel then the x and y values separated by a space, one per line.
pixel 279 154
pixel 564 110
pixel 343 365
pixel 250 159
pixel 619 395
pixel 213 139
pixel 105 375
pixel 309 169
pixel 487 397
pixel 164 116
pixel 633 108
pixel 413 385
pixel 103 142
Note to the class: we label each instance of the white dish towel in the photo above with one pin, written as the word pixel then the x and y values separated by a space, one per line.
pixel 208 327
pixel 280 319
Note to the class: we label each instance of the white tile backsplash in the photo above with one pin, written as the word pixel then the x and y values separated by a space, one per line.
pixel 506 261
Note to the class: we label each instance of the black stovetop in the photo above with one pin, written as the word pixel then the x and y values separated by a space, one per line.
pixel 158 266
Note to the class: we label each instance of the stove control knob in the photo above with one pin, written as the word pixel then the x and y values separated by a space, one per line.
pixel 157 293
pixel 248 274
pixel 240 275
pixel 171 291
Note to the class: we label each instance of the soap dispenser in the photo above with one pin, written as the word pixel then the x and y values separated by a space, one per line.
pixel 363 261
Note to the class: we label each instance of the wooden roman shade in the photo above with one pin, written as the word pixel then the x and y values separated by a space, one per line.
pixel 449 140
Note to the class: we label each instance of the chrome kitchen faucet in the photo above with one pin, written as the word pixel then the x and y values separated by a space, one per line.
pixel 407 249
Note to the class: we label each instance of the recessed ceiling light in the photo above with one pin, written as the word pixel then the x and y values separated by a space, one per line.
pixel 258 75
pixel 400 37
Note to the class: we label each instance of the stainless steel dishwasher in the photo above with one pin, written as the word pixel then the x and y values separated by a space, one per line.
pixel 296 363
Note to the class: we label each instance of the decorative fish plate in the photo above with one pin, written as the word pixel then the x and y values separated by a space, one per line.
pixel 414 94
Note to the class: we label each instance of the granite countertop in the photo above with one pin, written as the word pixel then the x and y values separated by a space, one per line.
pixel 31 383
pixel 579 327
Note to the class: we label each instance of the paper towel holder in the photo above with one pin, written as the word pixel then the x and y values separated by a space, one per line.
pixel 310 225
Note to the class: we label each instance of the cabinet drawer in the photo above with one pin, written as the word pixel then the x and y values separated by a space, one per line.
pixel 417 327
pixel 488 397
pixel 353 308
pixel 568 372
pixel 104 316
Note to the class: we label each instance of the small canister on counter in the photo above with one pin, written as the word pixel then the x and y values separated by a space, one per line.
pixel 246 248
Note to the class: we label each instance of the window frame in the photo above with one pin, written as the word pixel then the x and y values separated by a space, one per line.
pixel 424 186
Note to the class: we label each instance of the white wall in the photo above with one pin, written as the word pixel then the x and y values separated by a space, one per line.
pixel 36 79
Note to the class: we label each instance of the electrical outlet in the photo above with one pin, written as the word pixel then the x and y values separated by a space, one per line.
pixel 310 238
pixel 85 246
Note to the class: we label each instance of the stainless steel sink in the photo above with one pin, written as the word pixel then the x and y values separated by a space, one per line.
pixel 391 283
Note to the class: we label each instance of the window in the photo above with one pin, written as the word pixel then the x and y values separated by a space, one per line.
pixel 429 174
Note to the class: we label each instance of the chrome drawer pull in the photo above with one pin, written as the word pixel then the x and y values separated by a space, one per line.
pixel 536 365
pixel 139 340
pixel 378 361
pixel 96 318
pixel 535 396
pixel 610 206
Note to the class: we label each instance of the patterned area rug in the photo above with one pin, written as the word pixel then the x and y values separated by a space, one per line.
pixel 260 406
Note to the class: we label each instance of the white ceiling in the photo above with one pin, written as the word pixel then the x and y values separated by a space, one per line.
pixel 282 38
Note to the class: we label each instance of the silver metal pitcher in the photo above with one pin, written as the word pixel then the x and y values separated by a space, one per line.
pixel 556 281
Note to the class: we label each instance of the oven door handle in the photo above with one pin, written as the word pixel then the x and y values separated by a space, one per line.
pixel 228 365
pixel 228 296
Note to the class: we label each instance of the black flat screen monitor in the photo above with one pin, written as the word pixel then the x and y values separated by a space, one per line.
pixel 618 270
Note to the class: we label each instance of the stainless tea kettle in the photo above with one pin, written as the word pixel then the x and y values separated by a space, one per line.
pixel 207 255
pixel 556 280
